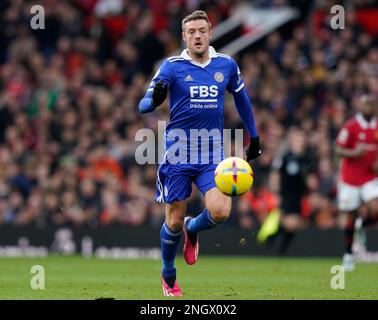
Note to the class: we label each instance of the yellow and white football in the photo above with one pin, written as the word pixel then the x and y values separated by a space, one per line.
pixel 233 176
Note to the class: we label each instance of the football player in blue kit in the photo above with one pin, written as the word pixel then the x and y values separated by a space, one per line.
pixel 197 81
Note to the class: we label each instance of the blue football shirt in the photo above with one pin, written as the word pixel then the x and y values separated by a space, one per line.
pixel 196 94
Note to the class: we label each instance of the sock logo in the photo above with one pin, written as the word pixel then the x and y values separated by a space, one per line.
pixel 167 241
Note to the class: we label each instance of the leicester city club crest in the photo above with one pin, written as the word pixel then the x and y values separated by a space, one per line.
pixel 218 76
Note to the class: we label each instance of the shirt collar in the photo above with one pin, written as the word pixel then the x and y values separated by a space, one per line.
pixel 212 54
pixel 366 124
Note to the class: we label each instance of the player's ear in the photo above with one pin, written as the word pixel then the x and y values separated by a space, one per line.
pixel 183 35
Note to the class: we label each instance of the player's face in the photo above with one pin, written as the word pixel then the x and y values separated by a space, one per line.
pixel 196 35
pixel 368 107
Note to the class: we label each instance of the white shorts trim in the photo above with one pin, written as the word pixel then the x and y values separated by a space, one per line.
pixel 159 184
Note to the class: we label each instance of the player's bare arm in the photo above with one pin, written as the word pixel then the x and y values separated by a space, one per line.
pixel 359 150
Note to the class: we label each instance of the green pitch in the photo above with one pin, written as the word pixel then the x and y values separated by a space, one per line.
pixel 211 278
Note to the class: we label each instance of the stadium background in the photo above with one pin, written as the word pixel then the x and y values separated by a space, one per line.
pixel 68 113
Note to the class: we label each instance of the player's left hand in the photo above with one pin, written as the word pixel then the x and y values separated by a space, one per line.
pixel 254 150
pixel 159 93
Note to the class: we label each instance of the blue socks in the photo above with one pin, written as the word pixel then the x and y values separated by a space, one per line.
pixel 169 242
pixel 203 221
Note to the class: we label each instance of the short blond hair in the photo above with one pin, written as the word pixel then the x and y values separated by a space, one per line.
pixel 196 15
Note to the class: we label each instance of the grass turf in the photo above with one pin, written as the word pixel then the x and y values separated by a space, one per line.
pixel 212 278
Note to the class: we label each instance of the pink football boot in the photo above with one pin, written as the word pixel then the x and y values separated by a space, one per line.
pixel 190 250
pixel 171 292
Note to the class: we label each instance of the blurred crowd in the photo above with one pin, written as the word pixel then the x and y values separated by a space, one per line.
pixel 69 95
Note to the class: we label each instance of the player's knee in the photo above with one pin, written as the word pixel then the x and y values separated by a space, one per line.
pixel 175 223
pixel 174 217
pixel 373 207
pixel 220 214
pixel 176 227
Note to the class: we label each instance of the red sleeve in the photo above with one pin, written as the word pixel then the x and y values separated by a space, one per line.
pixel 345 137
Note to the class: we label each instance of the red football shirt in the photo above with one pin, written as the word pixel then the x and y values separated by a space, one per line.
pixel 357 171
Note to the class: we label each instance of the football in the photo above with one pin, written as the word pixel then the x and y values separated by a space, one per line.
pixel 233 176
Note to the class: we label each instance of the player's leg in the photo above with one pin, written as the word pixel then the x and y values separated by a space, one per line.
pixel 170 235
pixel 369 193
pixel 217 210
pixel 350 218
pixel 348 203
pixel 368 216
pixel 218 205
pixel 173 188
pixel 372 214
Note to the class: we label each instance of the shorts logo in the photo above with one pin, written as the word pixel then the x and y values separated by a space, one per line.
pixel 165 191
pixel 218 76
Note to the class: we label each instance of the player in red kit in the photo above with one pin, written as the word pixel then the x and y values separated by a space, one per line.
pixel 357 145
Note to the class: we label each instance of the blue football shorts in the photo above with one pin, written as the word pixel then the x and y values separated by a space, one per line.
pixel 174 181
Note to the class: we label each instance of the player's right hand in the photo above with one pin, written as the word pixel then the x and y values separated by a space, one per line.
pixel 159 93
pixel 359 150
pixel 375 167
pixel 254 150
